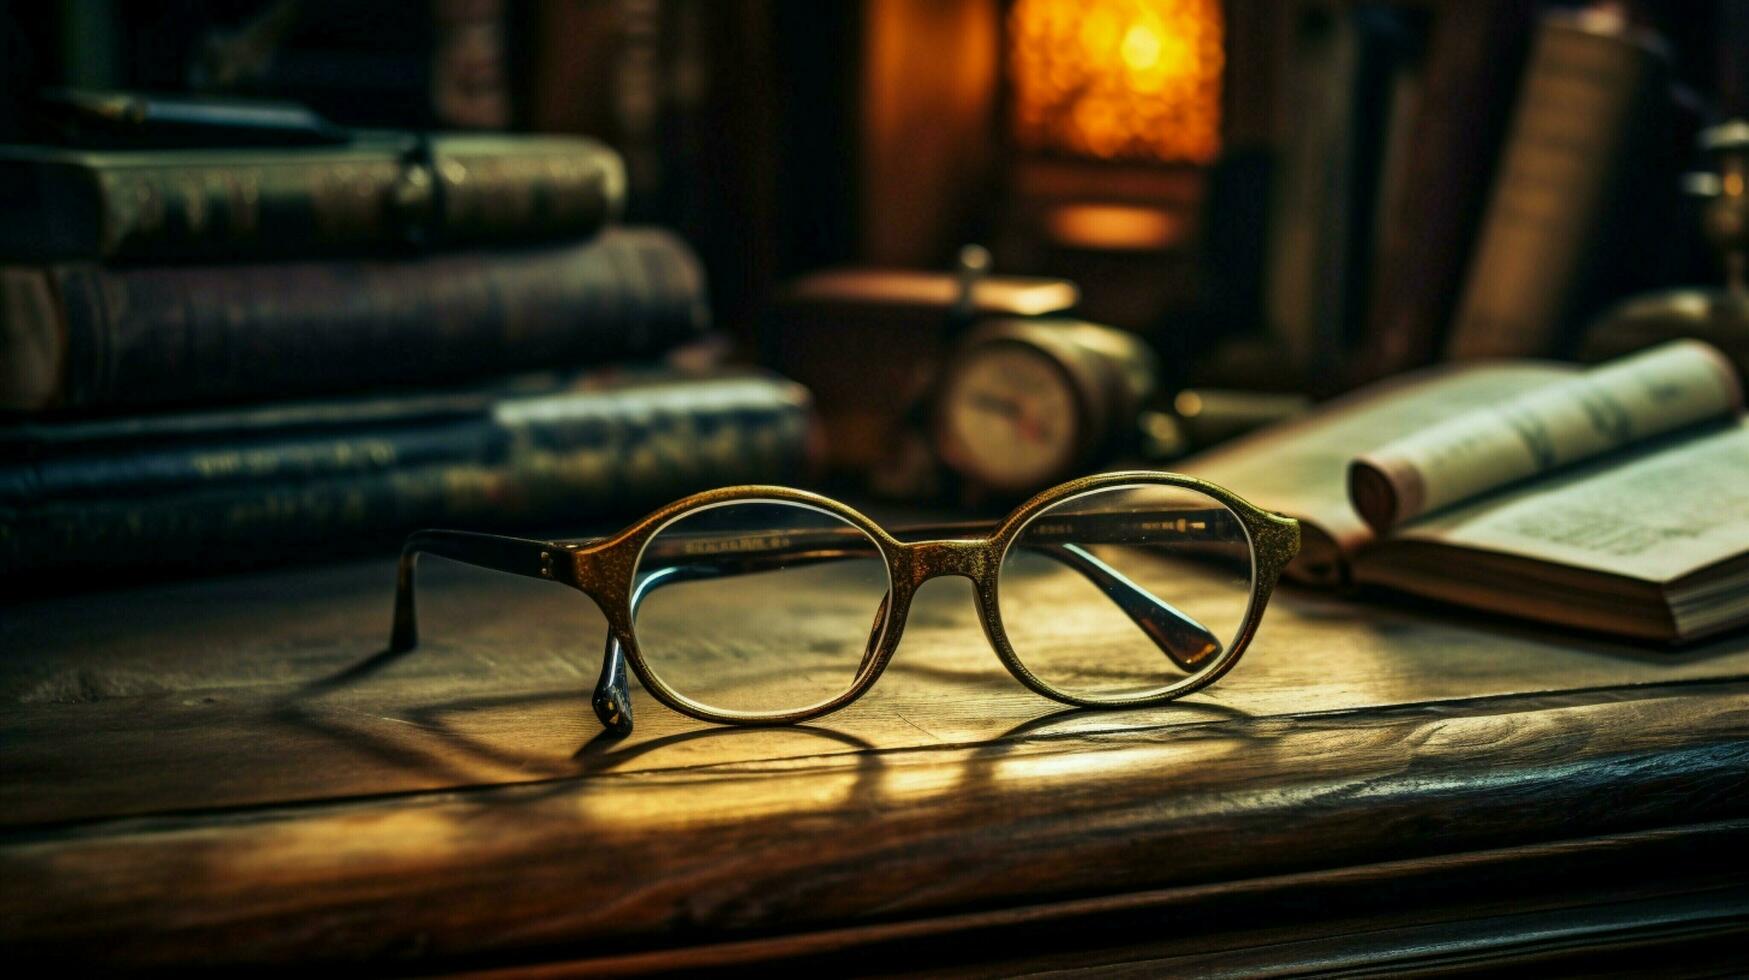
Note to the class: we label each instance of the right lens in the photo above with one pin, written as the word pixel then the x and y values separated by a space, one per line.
pixel 759 607
pixel 1124 592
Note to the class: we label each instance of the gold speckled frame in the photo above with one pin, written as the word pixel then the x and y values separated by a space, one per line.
pixel 606 570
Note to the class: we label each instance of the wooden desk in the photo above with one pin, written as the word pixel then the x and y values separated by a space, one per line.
pixel 226 773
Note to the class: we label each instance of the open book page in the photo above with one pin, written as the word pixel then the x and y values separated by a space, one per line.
pixel 1628 400
pixel 1300 468
pixel 1657 515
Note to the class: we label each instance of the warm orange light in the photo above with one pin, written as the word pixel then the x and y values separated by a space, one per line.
pixel 1114 227
pixel 1118 78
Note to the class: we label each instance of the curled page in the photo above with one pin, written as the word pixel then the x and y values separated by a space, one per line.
pixel 1660 390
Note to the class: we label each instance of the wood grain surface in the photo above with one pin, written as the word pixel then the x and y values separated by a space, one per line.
pixel 232 772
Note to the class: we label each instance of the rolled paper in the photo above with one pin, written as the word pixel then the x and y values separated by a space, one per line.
pixel 1628 400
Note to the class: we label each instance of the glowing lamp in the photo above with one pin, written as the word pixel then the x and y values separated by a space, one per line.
pixel 1117 79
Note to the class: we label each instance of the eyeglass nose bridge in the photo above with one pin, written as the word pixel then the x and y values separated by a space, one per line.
pixel 920 561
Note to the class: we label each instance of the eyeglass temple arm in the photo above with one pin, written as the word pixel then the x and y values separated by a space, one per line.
pixel 1185 641
pixel 1117 527
pixel 519 556
pixel 534 559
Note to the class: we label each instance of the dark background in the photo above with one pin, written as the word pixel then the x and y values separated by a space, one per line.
pixel 781 136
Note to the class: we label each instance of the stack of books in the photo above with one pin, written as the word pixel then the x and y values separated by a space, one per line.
pixel 211 357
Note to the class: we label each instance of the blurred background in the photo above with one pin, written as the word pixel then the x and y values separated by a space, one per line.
pixel 1150 150
pixel 1187 218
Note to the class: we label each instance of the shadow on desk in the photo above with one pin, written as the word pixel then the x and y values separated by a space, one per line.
pixel 224 773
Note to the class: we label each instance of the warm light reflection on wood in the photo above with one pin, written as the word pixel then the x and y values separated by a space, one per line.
pixel 1118 78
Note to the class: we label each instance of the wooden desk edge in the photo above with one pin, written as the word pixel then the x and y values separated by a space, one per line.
pixel 613 867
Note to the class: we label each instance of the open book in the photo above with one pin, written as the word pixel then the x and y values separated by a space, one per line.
pixel 1613 499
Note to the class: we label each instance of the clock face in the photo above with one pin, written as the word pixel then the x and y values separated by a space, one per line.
pixel 1009 418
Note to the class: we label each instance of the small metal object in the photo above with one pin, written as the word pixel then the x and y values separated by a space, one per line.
pixel 1726 219
pixel 1718 316
pixel 973 265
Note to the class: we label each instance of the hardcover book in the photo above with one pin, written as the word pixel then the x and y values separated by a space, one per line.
pixel 214 489
pixel 1428 227
pixel 1588 104
pixel 379 191
pixel 1351 83
pixel 86 337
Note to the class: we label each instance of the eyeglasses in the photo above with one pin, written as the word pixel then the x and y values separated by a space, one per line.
pixel 768 605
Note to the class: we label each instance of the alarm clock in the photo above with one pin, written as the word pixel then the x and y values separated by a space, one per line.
pixel 1025 403
pixel 871 343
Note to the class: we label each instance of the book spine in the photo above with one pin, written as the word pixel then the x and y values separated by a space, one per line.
pixel 1347 67
pixel 450 193
pixel 1474 59
pixel 296 458
pixel 189 335
pixel 1583 113
pixel 487 198
pixel 557 463
pixel 41 438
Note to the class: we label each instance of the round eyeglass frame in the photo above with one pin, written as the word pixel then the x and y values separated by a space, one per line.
pixel 605 569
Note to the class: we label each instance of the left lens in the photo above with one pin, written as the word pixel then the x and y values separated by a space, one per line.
pixel 759 607
pixel 1124 592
